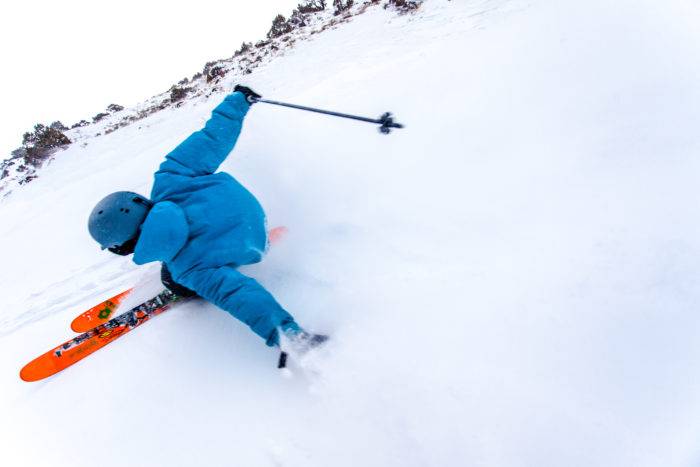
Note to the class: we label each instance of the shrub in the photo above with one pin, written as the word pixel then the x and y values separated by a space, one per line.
pixel 216 72
pixel 99 117
pixel 245 47
pixel 404 5
pixel 208 66
pixel 115 108
pixel 18 153
pixel 341 6
pixel 178 93
pixel 297 20
pixel 212 71
pixel 280 27
pixel 81 123
pixel 44 136
pixel 57 125
pixel 312 6
pixel 41 143
pixel 28 178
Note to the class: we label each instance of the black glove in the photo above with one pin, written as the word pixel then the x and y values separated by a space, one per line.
pixel 250 95
pixel 167 279
pixel 125 249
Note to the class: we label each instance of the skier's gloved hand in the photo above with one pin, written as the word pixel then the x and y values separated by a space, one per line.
pixel 250 95
pixel 125 249
pixel 167 279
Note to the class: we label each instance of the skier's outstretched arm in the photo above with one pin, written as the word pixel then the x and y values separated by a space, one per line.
pixel 244 298
pixel 204 150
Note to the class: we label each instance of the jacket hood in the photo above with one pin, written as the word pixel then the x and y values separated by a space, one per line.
pixel 163 234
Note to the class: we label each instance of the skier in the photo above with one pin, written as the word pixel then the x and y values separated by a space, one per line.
pixel 202 225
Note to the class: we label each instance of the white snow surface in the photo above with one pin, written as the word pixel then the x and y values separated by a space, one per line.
pixel 511 280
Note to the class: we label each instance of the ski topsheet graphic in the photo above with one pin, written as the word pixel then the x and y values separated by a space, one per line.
pixel 98 314
pixel 98 330
pixel 74 350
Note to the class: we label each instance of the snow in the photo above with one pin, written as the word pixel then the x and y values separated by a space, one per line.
pixel 510 280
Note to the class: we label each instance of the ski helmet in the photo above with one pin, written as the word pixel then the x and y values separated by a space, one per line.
pixel 117 218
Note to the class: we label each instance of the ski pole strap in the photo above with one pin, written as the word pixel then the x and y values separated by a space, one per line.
pixel 386 120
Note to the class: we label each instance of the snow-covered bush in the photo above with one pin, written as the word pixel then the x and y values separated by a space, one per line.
pixel 80 124
pixel 58 125
pixel 17 155
pixel 115 108
pixel 341 6
pixel 312 6
pixel 300 15
pixel 99 117
pixel 280 27
pixel 404 5
pixel 216 72
pixel 244 48
pixel 213 70
pixel 297 19
pixel 178 93
pixel 39 144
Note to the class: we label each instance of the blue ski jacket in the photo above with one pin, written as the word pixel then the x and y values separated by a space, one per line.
pixel 204 225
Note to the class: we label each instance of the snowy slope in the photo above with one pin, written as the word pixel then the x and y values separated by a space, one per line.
pixel 511 280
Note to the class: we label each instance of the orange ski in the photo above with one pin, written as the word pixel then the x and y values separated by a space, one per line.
pixel 76 349
pixel 98 314
pixel 275 235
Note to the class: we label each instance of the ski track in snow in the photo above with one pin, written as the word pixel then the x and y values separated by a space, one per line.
pixel 510 280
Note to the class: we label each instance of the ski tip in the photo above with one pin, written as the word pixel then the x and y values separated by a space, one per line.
pixel 75 325
pixel 98 314
pixel 80 325
pixel 43 366
pixel 276 234
pixel 25 377
pixel 36 370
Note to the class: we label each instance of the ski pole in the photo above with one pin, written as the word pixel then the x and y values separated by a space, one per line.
pixel 386 120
